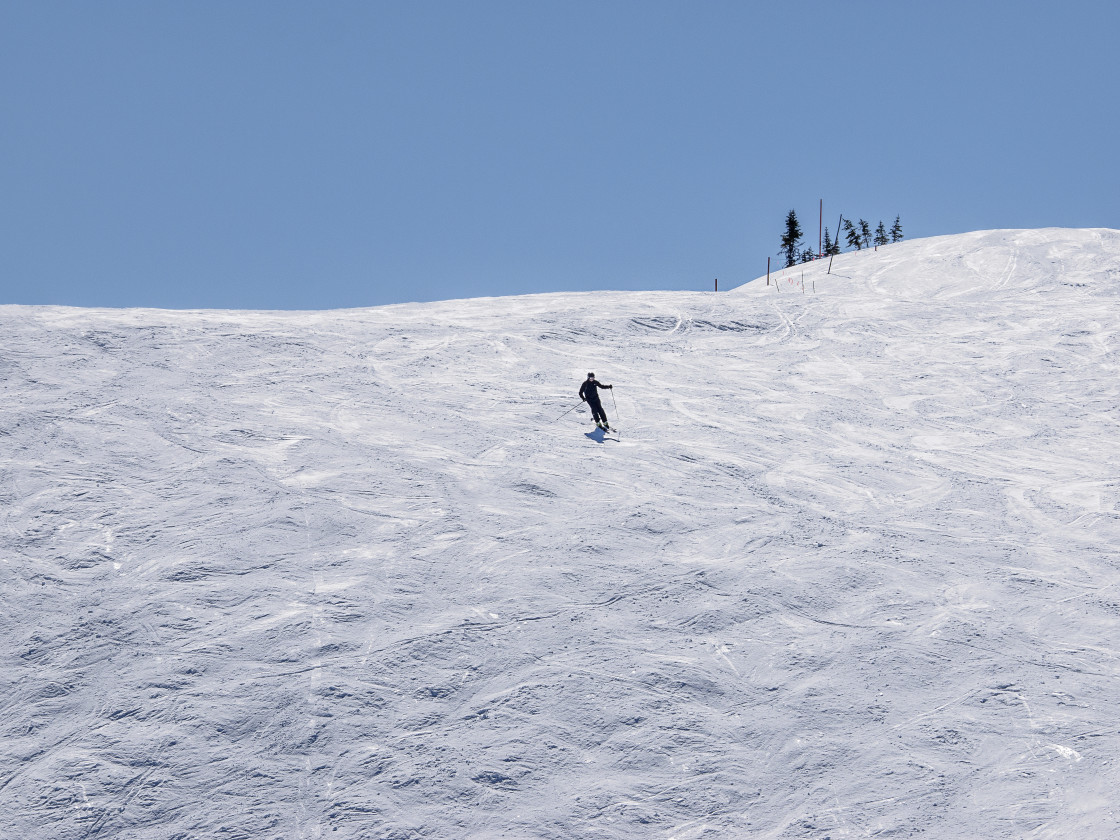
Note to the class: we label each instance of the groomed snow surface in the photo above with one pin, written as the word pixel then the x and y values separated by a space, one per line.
pixel 851 570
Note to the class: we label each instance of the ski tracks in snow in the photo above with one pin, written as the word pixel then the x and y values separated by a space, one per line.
pixel 311 574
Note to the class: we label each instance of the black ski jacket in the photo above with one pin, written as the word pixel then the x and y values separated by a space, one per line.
pixel 587 390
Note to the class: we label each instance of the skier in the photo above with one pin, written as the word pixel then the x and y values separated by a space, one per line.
pixel 588 392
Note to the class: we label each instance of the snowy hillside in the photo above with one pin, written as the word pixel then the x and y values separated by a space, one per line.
pixel 852 570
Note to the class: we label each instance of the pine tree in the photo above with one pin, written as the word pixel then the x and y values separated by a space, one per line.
pixel 791 239
pixel 808 255
pixel 881 237
pixel 865 233
pixel 827 243
pixel 896 229
pixel 852 235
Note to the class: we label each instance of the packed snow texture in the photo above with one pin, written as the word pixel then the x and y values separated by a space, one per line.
pixel 850 569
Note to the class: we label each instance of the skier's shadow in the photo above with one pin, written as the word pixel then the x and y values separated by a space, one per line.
pixel 598 435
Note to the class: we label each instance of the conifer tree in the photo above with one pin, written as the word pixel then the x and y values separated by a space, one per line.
pixel 808 255
pixel 881 237
pixel 791 239
pixel 827 243
pixel 852 235
pixel 865 233
pixel 896 229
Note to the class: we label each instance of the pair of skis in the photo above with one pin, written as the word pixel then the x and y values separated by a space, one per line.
pixel 601 426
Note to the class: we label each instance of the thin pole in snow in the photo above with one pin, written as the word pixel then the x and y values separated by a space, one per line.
pixel 717 289
pixel 830 256
pixel 767 271
pixel 820 232
pixel 573 408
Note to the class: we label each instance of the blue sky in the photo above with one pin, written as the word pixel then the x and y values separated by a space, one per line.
pixel 334 154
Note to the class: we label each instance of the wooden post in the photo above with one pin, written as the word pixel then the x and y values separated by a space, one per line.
pixel 820 232
pixel 767 271
pixel 717 284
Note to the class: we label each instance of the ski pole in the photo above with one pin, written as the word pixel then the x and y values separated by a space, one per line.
pixel 614 402
pixel 570 410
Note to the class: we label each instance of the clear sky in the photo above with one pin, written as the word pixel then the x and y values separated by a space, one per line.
pixel 331 154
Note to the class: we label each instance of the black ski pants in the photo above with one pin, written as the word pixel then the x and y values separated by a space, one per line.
pixel 597 413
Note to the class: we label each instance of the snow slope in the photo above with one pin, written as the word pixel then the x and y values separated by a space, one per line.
pixel 851 571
